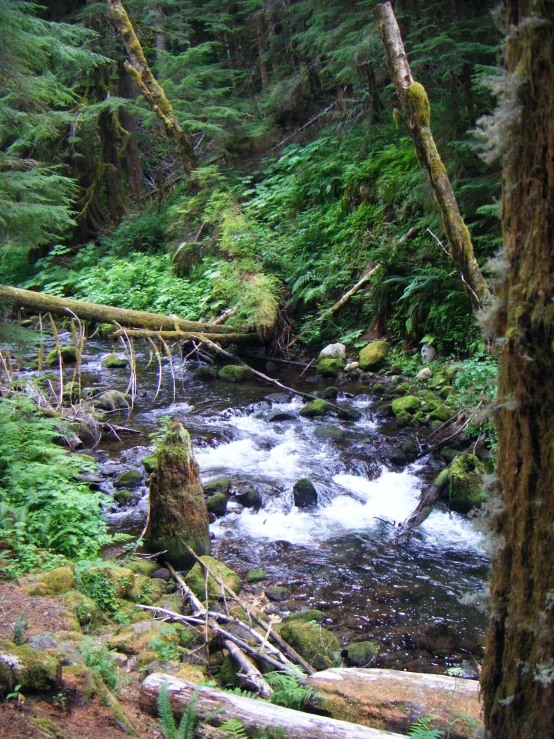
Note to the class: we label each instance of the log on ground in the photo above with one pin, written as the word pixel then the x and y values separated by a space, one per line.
pixel 230 338
pixel 216 707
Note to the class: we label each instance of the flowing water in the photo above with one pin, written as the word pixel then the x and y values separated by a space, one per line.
pixel 339 557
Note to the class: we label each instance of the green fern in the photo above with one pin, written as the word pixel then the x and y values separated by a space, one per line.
pixel 234 729
pixel 289 692
pixel 188 724
pixel 422 729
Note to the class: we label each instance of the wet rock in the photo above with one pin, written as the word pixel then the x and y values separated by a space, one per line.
pixel 217 504
pixel 360 654
pixel 404 418
pixel 196 579
pixel 149 463
pixel 310 615
pixel 331 393
pixel 428 353
pixel 448 454
pixel 255 575
pixel 333 351
pixel 276 593
pixel 374 354
pixel 318 646
pixel 33 669
pixel 378 389
pixel 407 404
pixel 249 497
pixel 315 409
pixel 305 494
pixel 205 372
pixel 271 367
pixel 464 488
pixel 162 573
pixel 54 582
pixel 178 512
pixel 272 610
pixel 349 413
pixel 112 400
pixel 128 479
pixel 220 485
pixel 424 374
pixel 329 432
pixel 115 361
pixel 410 449
pixel 123 497
pixel 69 356
pixel 281 416
pixel 396 456
pixel 330 367
pixel 385 410
pixel 278 398
pixel 235 373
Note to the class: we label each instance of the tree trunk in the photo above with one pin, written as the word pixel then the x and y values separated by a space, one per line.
pixel 262 51
pixel 38 302
pixel 108 132
pixel 149 87
pixel 518 674
pixel 128 90
pixel 140 333
pixel 216 707
pixel 415 105
pixel 178 512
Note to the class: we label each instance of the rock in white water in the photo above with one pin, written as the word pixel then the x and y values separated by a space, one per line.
pixel 333 351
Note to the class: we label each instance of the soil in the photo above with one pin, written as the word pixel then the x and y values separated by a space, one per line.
pixel 41 614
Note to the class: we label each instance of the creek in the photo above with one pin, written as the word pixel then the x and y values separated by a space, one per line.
pixel 339 557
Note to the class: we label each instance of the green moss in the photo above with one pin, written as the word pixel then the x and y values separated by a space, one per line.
pixel 149 463
pixel 196 579
pixel 33 669
pixel 330 366
pixel 318 646
pixel 463 485
pixel 69 356
pixel 228 672
pixel 418 104
pixel 311 615
pixel 441 413
pixel 407 404
pixel 255 575
pixel 114 361
pixel 123 496
pixel 86 610
pixel 111 400
pixel 142 566
pixel 217 504
pixel 54 582
pixel 235 373
pixel 105 329
pixel 373 355
pixel 128 479
pixel 315 408
pixel 221 485
pixel 360 654
pixel 204 372
pixel 402 388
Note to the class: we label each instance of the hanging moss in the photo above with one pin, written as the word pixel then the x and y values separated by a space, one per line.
pixel 418 104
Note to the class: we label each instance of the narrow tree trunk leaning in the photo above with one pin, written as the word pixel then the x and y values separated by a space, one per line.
pixel 518 672
pixel 178 513
pixel 347 295
pixel 42 302
pixel 149 86
pixel 395 700
pixel 425 506
pixel 216 707
pixel 415 105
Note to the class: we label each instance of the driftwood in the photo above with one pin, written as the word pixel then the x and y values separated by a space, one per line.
pixel 346 297
pixel 230 338
pixel 425 506
pixel 103 313
pixel 215 707
pixel 415 105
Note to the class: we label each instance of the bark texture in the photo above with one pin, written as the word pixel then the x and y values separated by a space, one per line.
pixel 415 105
pixel 518 674
pixel 138 67
pixel 178 512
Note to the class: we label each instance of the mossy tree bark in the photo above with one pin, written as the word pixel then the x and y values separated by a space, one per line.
pixel 138 67
pixel 518 673
pixel 415 105
pixel 178 512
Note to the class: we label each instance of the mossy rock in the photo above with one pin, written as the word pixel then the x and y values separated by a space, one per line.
pixel 149 463
pixel 55 582
pixel 137 638
pixel 275 593
pixel 128 479
pixel 378 389
pixel 360 654
pixel 404 419
pixel 121 578
pixel 255 575
pixel 221 485
pixel 115 361
pixel 349 413
pixel 304 492
pixel 235 373
pixel 407 404
pixel 112 400
pixel 146 590
pixel 329 432
pixel 217 504
pixel 123 496
pixel 249 497
pixel 384 409
pixel 142 566
pixel 448 454
pixel 318 646
pixel 331 393
pixel 204 372
pixel 441 413
pixel 464 484
pixel 47 727
pixel 446 391
pixel 311 615
pixel 85 609
pixel 330 366
pixel 69 356
pixel 396 381
pixel 196 579
pixel 33 669
pixel 315 409
pixel 373 355
pixel 402 388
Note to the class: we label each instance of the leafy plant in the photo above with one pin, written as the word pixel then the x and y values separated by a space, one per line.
pixel 188 724
pixel 18 631
pixel 92 581
pixel 289 692
pixel 100 659
pixel 422 729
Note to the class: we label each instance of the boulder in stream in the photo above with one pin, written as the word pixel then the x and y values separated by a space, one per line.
pixel 374 354
pixel 305 494
pixel 235 373
pixel 178 512
pixel 330 367
pixel 249 497
pixel 217 504
pixel 115 361
pixel 315 408
pixel 68 353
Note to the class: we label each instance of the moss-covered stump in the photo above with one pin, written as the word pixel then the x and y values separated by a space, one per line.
pixel 315 409
pixel 54 582
pixel 235 373
pixel 114 361
pixel 196 579
pixel 217 504
pixel 360 654
pixel 462 483
pixel 373 355
pixel 68 353
pixel 318 646
pixel 178 512
pixel 407 404
pixel 33 669
pixel 330 366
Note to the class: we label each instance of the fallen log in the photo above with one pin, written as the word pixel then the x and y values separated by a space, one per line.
pixel 395 700
pixel 230 338
pixel 425 506
pixel 346 297
pixel 38 302
pixel 216 707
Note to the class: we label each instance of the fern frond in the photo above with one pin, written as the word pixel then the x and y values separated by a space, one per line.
pixel 167 720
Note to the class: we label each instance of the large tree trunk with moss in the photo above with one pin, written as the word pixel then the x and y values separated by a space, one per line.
pixel 415 105
pixel 138 67
pixel 178 512
pixel 518 674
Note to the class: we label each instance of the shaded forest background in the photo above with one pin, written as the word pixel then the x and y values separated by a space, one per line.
pixel 306 174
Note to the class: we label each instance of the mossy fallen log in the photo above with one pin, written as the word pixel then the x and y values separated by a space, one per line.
pixel 230 338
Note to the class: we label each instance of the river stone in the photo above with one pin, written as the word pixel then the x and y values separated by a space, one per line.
pixel 220 485
pixel 352 366
pixel 360 654
pixel 149 463
pixel 329 432
pixel 123 497
pixel 196 579
pixel 428 353
pixel 178 512
pixel 275 593
pixel 33 669
pixel 217 504
pixel 205 372
pixel 330 367
pixel 249 497
pixel 373 355
pixel 315 408
pixel 331 393
pixel 305 494
pixel 407 404
pixel 318 646
pixel 111 400
pixel 162 573
pixel 128 479
pixel 54 582
pixel 271 367
pixel 281 416
pixel 310 615
pixel 424 374
pixel 396 456
pixel 333 351
pixel 348 412
pixel 115 361
pixel 69 356
pixel 235 373
pixel 278 398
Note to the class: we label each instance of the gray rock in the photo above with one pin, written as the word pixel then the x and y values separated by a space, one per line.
pixel 424 374
pixel 305 494
pixel 333 351
pixel 162 573
pixel 329 432
pixel 428 353
pixel 282 416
